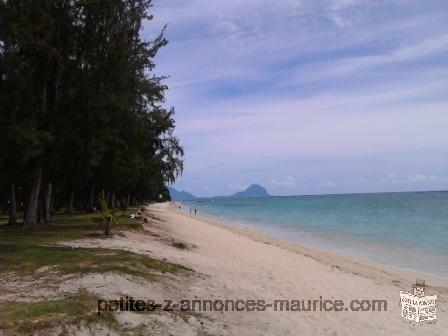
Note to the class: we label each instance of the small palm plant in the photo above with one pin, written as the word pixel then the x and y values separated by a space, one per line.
pixel 107 217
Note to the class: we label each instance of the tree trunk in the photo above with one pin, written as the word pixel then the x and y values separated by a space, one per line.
pixel 13 214
pixel 108 199
pixel 41 206
pixel 92 198
pixel 69 207
pixel 112 201
pixel 31 213
pixel 47 213
pixel 107 228
pixel 128 201
pixel 103 201
pixel 53 202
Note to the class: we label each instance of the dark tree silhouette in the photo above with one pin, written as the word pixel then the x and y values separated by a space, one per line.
pixel 82 111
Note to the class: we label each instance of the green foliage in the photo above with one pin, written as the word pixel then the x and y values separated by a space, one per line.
pixel 108 217
pixel 80 98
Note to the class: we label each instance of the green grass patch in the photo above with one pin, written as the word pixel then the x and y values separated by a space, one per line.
pixel 28 317
pixel 26 259
pixel 24 252
pixel 65 227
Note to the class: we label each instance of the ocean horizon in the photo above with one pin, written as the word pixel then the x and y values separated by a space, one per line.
pixel 401 229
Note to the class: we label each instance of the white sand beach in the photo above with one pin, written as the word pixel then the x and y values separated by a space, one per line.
pixel 231 263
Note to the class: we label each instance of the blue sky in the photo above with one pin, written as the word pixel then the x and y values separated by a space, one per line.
pixel 308 96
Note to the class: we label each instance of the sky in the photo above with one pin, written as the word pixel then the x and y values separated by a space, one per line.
pixel 307 96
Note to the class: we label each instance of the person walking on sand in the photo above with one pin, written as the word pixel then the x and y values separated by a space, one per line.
pixel 195 211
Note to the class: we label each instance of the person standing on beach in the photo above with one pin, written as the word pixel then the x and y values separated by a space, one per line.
pixel 195 211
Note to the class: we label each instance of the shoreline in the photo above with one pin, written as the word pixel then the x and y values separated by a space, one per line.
pixel 227 263
pixel 234 263
pixel 351 263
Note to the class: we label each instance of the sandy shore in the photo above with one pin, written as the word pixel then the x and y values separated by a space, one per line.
pixel 240 264
pixel 232 264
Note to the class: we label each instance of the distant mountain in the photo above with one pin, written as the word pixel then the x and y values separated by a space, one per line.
pixel 255 190
pixel 180 195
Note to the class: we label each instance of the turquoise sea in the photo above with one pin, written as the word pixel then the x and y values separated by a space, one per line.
pixel 408 230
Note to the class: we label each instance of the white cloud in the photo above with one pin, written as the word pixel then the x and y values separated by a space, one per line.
pixel 287 182
pixel 343 67
pixel 426 178
pixel 258 82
